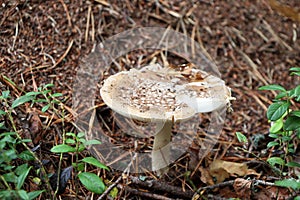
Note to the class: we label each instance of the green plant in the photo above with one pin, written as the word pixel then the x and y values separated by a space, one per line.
pixel 285 127
pixel 76 144
pixel 12 177
pixel 42 95
pixel 285 130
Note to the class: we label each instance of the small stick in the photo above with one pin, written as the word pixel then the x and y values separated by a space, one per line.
pixel 110 188
pixel 144 194
pixel 229 183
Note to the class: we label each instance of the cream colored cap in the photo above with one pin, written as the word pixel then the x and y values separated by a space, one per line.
pixel 154 93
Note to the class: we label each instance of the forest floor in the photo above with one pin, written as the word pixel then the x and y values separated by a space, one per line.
pixel 252 42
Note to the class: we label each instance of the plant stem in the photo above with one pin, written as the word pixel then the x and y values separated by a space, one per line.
pixel 45 176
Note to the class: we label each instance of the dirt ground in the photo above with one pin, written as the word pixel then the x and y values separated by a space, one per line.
pixel 252 43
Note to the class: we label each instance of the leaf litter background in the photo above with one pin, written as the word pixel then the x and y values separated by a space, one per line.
pixel 252 42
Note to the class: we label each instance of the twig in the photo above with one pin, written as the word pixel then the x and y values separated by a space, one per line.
pixel 88 23
pixel 211 187
pixel 110 188
pixel 144 194
pixel 161 186
pixel 254 67
pixel 230 183
pixel 67 13
pixel 118 180
pixel 60 59
pixel 276 37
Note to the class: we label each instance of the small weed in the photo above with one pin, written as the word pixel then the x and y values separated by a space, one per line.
pixel 76 144
pixel 285 129
pixel 12 174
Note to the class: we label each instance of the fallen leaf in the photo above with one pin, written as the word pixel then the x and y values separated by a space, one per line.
pixel 205 176
pixel 35 127
pixel 276 193
pixel 221 169
pixel 242 188
pixel 65 176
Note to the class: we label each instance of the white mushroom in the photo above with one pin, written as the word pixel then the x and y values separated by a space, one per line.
pixel 164 96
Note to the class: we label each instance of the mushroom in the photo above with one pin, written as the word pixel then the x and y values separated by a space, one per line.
pixel 163 96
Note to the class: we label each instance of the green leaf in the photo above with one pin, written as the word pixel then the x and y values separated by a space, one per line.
pixel 277 110
pixel 293 164
pixel 295 113
pixel 295 73
pixel 241 137
pixel 5 94
pixel 32 93
pixel 8 194
pixel 281 95
pixel 21 100
pixel 95 162
pixel 78 166
pixel 34 194
pixel 57 95
pixel 2 125
pixel 91 142
pixel 45 108
pixel 9 80
pixel 23 194
pixel 114 193
pixel 272 144
pixel 273 135
pixel 71 134
pixel 2 112
pixel 295 69
pixel 22 177
pixel 20 169
pixel 80 134
pixel 295 92
pixel 276 126
pixel 45 92
pixel 25 140
pixel 81 148
pixel 275 160
pixel 289 183
pixel 70 141
pixel 41 101
pixel 10 177
pixel 292 123
pixel 273 87
pixel 82 140
pixel 92 182
pixel 55 101
pixel 48 85
pixel 62 148
pixel 26 155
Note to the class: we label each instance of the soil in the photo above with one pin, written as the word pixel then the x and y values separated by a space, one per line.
pixel 252 42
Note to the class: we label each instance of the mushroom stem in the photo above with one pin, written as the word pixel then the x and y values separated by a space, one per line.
pixel 161 147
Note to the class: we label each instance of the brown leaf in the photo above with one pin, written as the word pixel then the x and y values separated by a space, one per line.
pixel 277 193
pixel 242 188
pixel 221 169
pixel 205 176
pixel 285 10
pixel 35 127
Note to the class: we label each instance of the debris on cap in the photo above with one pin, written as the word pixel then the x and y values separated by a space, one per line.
pixel 157 93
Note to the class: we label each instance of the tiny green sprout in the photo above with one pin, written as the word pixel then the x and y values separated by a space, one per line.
pixel 241 137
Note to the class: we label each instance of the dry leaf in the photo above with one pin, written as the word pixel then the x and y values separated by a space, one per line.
pixel 242 188
pixel 276 193
pixel 35 127
pixel 221 169
pixel 285 10
pixel 205 176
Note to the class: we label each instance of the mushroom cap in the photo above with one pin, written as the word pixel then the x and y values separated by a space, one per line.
pixel 154 93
